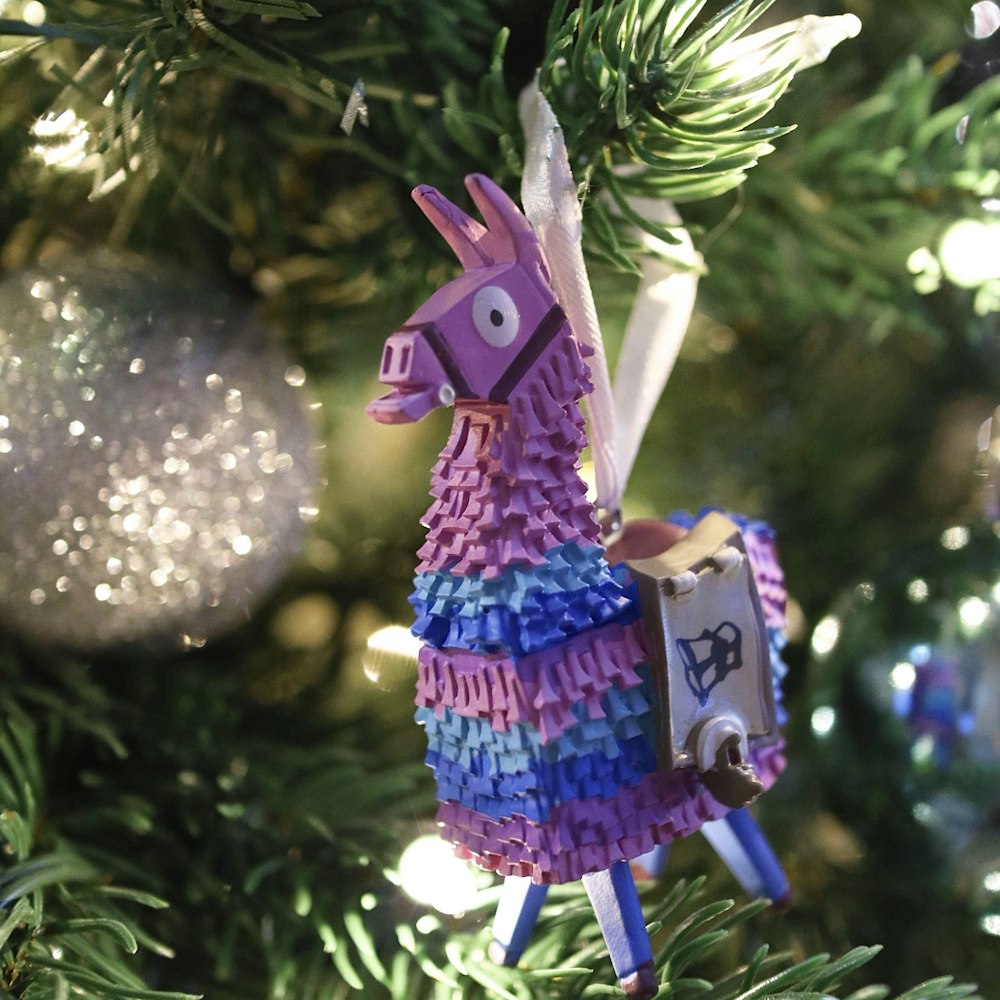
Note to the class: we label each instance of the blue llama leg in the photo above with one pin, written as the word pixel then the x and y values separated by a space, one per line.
pixel 520 903
pixel 741 844
pixel 613 895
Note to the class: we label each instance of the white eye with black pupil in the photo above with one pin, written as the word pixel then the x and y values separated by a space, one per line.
pixel 495 316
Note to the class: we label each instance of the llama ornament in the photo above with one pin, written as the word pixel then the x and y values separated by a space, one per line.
pixel 534 685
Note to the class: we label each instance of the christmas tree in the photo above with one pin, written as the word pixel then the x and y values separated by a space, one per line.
pixel 209 784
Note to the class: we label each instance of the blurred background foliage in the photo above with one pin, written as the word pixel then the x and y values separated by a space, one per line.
pixel 840 364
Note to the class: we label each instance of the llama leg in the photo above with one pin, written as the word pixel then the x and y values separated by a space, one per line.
pixel 616 903
pixel 741 844
pixel 520 902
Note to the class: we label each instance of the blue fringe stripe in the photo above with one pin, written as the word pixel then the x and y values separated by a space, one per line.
pixel 627 714
pixel 534 792
pixel 545 620
pixel 524 610
pixel 568 567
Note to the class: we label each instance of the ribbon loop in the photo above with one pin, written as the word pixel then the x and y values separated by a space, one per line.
pixel 618 416
pixel 550 201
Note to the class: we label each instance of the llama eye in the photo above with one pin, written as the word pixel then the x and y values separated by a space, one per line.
pixel 495 316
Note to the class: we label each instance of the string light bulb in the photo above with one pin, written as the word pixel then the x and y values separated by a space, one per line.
pixel 825 635
pixel 34 13
pixel 823 720
pixel 429 873
pixel 61 140
pixel 972 613
pixel 805 41
pixel 970 252
pixel 817 37
pixel 985 19
pixel 391 657
pixel 903 676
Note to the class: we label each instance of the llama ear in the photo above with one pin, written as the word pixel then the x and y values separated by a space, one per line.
pixel 510 232
pixel 466 237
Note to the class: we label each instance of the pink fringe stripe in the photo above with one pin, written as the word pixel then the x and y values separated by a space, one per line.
pixel 537 689
pixel 587 835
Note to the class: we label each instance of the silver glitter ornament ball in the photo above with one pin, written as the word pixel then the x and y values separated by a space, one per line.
pixel 157 460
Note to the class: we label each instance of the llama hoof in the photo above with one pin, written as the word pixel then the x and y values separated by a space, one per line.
pixel 642 984
pixel 499 955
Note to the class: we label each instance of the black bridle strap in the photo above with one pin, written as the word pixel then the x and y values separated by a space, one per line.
pixel 544 333
pixel 443 353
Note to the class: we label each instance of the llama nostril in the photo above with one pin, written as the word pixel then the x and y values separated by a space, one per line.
pixel 404 361
pixel 387 360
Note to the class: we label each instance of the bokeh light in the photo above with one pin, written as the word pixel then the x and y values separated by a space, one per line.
pixel 429 873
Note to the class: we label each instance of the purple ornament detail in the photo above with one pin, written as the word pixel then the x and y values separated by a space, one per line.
pixel 506 485
pixel 507 493
pixel 768 574
pixel 586 835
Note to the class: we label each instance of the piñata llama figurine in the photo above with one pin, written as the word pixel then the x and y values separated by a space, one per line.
pixel 557 756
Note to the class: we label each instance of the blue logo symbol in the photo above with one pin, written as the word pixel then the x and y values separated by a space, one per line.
pixel 710 657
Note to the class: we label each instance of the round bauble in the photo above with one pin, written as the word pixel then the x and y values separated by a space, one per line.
pixel 157 459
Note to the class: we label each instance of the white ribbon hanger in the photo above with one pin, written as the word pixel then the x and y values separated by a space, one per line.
pixel 664 303
pixel 662 310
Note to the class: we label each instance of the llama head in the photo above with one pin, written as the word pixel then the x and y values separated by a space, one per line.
pixel 479 336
